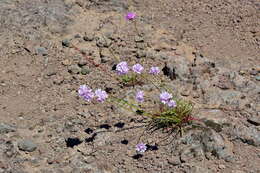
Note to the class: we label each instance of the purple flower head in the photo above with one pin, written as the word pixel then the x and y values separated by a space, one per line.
pixel 138 68
pixel 122 68
pixel 154 70
pixel 139 96
pixel 165 97
pixel 130 16
pixel 141 147
pixel 101 95
pixel 85 92
pixel 172 104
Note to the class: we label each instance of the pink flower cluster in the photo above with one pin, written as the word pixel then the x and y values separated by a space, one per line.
pixel 87 94
pixel 122 68
pixel 166 98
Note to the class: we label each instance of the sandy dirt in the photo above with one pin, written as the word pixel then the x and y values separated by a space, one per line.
pixel 211 49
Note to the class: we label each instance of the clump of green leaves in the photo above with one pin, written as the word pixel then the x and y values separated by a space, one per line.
pixel 128 79
pixel 174 118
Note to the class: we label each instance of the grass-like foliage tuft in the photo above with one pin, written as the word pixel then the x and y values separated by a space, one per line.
pixel 175 117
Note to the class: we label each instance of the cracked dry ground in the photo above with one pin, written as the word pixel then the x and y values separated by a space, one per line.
pixel 209 48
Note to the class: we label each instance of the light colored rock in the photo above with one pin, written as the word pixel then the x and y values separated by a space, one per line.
pixel 27 145
pixel 6 128
pixel 217 145
pixel 247 135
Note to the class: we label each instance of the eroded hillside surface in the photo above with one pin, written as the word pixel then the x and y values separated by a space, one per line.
pixel 210 50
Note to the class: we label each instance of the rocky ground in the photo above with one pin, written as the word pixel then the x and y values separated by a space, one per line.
pixel 209 51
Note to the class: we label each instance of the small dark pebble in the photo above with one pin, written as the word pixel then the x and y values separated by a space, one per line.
pixel 152 147
pixel 170 72
pixel 51 73
pixel 119 125
pixel 108 89
pixel 124 142
pixel 105 126
pixel 137 156
pixel 139 112
pixel 77 36
pixel 71 142
pixel 88 130
pixel 114 67
pixel 91 139
pixel 66 43
pixel 89 37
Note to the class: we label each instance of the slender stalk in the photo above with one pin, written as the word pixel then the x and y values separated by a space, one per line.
pixel 151 82
pixel 132 106
pixel 135 25
pixel 112 53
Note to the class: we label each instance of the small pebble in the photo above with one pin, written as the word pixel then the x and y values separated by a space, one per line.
pixel 185 92
pixel 82 62
pixel 221 166
pixel 66 43
pixel 253 72
pixel 139 39
pixel 66 62
pixel 74 69
pixel 141 54
pixel 242 72
pixel 27 145
pixel 77 36
pixel 41 51
pixel 89 37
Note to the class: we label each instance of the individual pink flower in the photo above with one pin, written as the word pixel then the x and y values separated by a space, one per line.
pixel 85 92
pixel 122 68
pixel 130 16
pixel 154 70
pixel 139 96
pixel 141 147
pixel 101 95
pixel 165 97
pixel 138 68
pixel 172 104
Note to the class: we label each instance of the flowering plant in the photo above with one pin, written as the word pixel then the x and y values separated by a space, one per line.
pixel 169 112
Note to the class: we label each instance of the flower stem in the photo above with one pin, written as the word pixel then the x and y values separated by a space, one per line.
pixel 132 106
pixel 135 25
pixel 112 53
